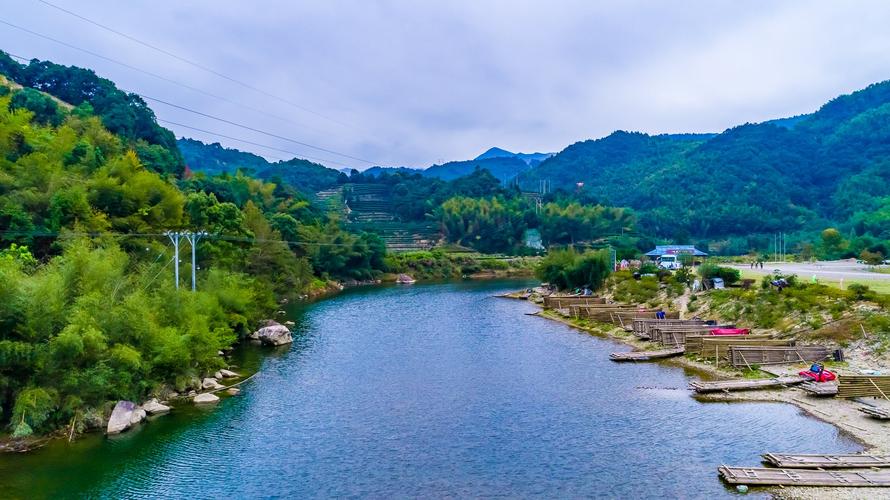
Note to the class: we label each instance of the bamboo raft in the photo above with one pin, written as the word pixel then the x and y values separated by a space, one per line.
pixel 562 302
pixel 717 347
pixel 642 326
pixel 820 388
pixel 819 461
pixel 645 355
pixel 694 343
pixel 803 477
pixel 857 386
pixel 741 356
pixel 676 334
pixel 874 412
pixel 744 385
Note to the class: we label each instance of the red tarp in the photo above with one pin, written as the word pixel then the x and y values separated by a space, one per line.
pixel 730 331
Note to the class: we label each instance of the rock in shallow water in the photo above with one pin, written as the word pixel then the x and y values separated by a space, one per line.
pixel 153 407
pixel 273 333
pixel 233 391
pixel 137 416
pixel 206 398
pixel 211 383
pixel 121 417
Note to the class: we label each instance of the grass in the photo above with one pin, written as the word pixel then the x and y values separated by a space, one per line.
pixel 878 285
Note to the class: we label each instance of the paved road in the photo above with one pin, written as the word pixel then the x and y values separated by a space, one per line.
pixel 831 270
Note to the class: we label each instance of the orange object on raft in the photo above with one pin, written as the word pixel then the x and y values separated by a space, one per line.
pixel 730 331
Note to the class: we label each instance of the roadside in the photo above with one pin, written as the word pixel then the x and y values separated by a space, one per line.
pixel 837 273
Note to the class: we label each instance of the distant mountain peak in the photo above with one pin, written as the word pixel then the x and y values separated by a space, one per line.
pixel 494 152
pixel 530 159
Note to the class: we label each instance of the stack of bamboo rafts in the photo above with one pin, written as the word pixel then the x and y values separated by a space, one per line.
pixel 743 356
pixel 642 327
pixel 677 334
pixel 695 344
pixel 859 386
pixel 564 301
pixel 606 312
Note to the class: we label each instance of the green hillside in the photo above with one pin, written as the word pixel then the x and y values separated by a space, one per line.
pixel 214 159
pixel 796 174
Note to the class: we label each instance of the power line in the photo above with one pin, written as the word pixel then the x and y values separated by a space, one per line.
pixel 247 127
pixel 155 75
pixel 237 239
pixel 195 89
pixel 296 154
pixel 252 143
pixel 192 63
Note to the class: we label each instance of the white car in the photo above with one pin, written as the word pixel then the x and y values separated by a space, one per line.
pixel 669 262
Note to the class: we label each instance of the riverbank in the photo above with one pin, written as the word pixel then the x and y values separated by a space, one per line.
pixel 841 413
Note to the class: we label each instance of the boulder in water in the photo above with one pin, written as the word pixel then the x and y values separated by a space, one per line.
pixel 233 391
pixel 121 417
pixel 137 416
pixel 153 407
pixel 211 383
pixel 274 333
pixel 205 398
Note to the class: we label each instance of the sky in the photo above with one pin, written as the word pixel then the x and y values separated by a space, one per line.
pixel 417 82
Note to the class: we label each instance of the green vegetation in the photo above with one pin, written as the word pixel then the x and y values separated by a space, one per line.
pixel 89 313
pixel 441 265
pixel 568 269
pixel 729 275
pixel 749 181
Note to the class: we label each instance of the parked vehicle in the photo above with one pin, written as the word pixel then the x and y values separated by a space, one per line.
pixel 669 262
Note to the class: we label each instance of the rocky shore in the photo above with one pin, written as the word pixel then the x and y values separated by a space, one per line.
pixel 841 413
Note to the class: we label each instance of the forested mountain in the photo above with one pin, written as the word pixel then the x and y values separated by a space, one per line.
pixel 503 168
pixel 214 159
pixel 799 173
pixel 531 159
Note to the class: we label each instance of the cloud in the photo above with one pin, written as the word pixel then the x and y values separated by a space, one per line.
pixel 412 83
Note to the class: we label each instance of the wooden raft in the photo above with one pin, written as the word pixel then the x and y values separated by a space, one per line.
pixel 820 388
pixel 694 342
pixel 561 302
pixel 873 412
pixel 716 347
pixel 676 334
pixel 857 386
pixel 744 385
pixel 817 461
pixel 645 355
pixel 641 326
pixel 744 356
pixel 803 477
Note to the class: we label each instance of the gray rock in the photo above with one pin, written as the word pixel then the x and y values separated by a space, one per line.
pixel 217 375
pixel 205 398
pixel 228 373
pixel 192 394
pixel 121 417
pixel 274 333
pixel 233 391
pixel 211 383
pixel 152 407
pixel 137 416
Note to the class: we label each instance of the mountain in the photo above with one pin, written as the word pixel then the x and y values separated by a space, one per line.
pixel 796 174
pixel 213 159
pixel 531 159
pixel 503 168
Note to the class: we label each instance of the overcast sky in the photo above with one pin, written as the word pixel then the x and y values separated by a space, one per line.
pixel 413 82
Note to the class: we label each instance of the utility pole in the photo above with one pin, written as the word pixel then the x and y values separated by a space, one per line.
pixel 174 237
pixel 193 241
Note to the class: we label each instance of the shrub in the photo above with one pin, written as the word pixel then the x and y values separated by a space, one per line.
pixel 728 274
pixel 568 269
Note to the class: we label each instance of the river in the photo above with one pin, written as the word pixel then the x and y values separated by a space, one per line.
pixel 430 391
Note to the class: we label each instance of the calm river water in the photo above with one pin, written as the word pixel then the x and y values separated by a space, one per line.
pixel 431 391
